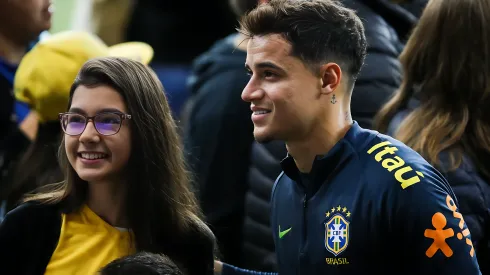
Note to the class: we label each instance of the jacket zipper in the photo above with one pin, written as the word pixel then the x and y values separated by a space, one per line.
pixel 305 206
pixel 301 266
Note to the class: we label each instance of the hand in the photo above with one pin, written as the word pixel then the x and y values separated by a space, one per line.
pixel 218 267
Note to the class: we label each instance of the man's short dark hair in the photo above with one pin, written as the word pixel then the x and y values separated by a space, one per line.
pixel 320 31
pixel 142 263
pixel 242 7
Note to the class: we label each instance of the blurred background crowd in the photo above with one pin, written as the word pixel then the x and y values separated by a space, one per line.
pixel 199 57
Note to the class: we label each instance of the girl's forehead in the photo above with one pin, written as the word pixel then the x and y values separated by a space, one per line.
pixel 97 99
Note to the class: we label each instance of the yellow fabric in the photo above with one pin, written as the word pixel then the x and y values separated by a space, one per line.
pixel 46 73
pixel 87 243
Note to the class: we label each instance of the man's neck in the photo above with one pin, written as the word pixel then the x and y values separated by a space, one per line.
pixel 106 199
pixel 319 142
pixel 10 50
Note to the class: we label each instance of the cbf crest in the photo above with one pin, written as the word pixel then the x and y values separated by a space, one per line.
pixel 337 230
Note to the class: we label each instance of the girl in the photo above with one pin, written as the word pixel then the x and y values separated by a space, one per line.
pixel 45 88
pixel 442 107
pixel 126 188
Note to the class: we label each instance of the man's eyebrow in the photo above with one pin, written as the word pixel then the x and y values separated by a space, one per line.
pixel 268 65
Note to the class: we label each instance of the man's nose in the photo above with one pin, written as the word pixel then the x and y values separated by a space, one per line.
pixel 252 91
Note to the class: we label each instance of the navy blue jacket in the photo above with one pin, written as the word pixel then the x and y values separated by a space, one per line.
pixel 371 205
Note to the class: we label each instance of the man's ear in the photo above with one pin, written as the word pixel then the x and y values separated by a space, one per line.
pixel 331 75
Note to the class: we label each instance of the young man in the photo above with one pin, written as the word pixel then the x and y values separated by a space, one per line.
pixel 350 201
pixel 219 132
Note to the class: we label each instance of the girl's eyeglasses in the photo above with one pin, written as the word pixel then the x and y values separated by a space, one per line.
pixel 106 124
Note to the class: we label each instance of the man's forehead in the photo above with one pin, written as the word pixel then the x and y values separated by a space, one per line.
pixel 271 46
pixel 269 40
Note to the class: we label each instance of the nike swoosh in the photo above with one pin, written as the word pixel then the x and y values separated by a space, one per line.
pixel 282 233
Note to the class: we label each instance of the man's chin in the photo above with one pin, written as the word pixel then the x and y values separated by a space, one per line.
pixel 263 138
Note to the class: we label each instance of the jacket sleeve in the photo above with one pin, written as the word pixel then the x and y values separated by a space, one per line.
pixel 473 194
pixel 13 231
pixel 432 229
pixel 28 237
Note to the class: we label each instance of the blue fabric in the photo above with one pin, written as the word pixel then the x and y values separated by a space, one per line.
pixel 7 70
pixel 233 270
pixel 371 192
pixel 174 79
pixel 21 110
pixel 3 205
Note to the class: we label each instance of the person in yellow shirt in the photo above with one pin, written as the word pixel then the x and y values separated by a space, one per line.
pixel 43 82
pixel 125 187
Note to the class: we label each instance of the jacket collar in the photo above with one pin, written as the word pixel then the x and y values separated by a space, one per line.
pixel 325 165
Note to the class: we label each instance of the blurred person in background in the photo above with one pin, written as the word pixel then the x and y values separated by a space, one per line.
pixel 218 134
pixel 414 6
pixel 125 190
pixel 142 263
pixel 179 31
pixel 21 23
pixel 219 138
pixel 442 108
pixel 42 81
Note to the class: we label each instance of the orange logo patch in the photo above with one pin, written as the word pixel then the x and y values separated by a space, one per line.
pixel 440 235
